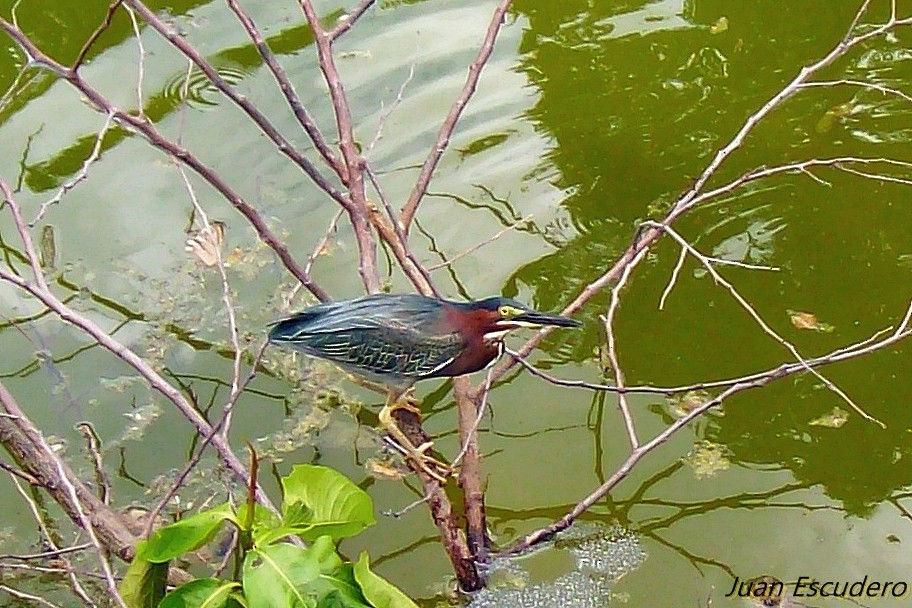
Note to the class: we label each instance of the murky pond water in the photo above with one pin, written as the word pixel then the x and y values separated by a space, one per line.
pixel 590 117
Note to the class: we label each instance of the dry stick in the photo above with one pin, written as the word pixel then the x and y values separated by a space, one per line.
pixel 80 176
pixel 41 292
pixel 27 243
pixel 18 473
pixel 358 211
pixel 195 460
pixel 141 68
pixel 354 205
pixel 258 118
pixel 672 390
pixel 93 445
pixel 802 167
pixel 877 176
pixel 857 83
pixel 426 285
pixel 60 554
pixel 470 472
pixel 22 595
pixel 317 251
pixel 673 279
pixel 479 245
pixel 387 113
pixel 847 43
pixel 29 447
pixel 151 134
pixel 321 245
pixel 226 288
pixel 608 321
pixel 288 91
pixel 564 522
pixel 47 554
pixel 446 130
pixel 112 8
pixel 477 422
pixel 348 20
pixel 763 324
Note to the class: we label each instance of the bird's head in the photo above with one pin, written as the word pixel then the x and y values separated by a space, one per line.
pixel 493 318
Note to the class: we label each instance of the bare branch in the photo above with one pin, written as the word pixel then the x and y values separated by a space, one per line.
pixel 449 124
pixel 112 8
pixel 857 83
pixel 288 91
pixel 353 161
pixel 612 347
pixel 638 453
pixel 41 292
pixel 155 138
pixel 763 324
pixel 80 176
pixel 479 245
pixel 348 20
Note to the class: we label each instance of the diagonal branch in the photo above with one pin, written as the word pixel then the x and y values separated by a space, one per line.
pixel 446 130
pixel 154 137
pixel 548 532
pixel 287 89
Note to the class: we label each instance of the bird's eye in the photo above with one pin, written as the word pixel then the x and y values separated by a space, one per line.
pixel 504 311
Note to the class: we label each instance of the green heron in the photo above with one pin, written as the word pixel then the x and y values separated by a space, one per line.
pixel 396 340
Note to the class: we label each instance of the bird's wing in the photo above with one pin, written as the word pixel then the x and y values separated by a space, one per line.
pixel 398 351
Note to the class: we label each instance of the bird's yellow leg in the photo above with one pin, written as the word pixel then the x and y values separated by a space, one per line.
pixel 427 464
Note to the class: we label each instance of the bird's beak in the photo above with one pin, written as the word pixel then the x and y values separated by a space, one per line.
pixel 533 318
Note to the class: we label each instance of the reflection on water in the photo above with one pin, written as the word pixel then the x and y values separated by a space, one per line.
pixel 602 555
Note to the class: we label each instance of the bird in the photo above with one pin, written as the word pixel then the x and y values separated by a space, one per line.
pixel 398 339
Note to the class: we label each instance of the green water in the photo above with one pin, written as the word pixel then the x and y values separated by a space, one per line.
pixel 590 117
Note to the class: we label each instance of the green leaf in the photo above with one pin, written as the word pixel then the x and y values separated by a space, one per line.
pixel 378 591
pixel 319 500
pixel 279 576
pixel 201 593
pixel 286 575
pixel 143 585
pixel 188 534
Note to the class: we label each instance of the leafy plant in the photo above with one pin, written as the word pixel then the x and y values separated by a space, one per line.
pixel 320 506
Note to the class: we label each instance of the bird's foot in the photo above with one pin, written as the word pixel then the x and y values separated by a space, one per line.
pixel 427 464
pixel 407 401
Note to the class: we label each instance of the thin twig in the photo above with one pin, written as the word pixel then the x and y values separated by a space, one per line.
pixel 141 65
pixel 112 8
pixel 93 445
pixel 479 245
pixel 759 320
pixel 612 347
pixel 22 595
pixel 473 432
pixel 347 20
pixel 637 454
pixel 81 175
pixel 400 234
pixel 200 450
pixel 456 110
pixel 287 88
pixel 60 554
pixel 353 161
pixel 386 114
pixel 857 83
